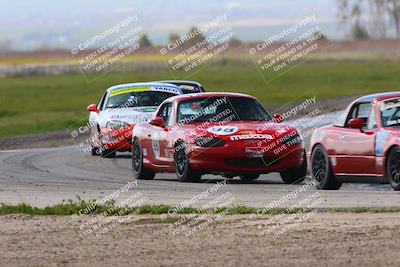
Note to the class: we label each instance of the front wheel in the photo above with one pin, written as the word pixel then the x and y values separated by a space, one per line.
pixel 321 170
pixel 139 171
pixel 295 175
pixel 183 169
pixel 393 168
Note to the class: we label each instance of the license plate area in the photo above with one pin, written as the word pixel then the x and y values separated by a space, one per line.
pixel 254 152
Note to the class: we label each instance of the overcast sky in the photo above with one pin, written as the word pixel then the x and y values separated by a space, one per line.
pixel 28 23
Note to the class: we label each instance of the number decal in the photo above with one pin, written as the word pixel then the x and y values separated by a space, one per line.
pixel 222 130
pixel 156 148
pixel 380 141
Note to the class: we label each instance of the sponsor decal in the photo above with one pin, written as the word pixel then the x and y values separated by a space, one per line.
pixel 166 89
pixel 223 130
pixel 392 122
pixel 135 118
pixel 380 141
pixel 128 90
pixel 251 136
pixel 174 90
pixel 333 161
pixel 147 109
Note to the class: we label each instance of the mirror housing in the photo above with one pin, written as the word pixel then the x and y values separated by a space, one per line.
pixel 92 107
pixel 278 118
pixel 356 123
pixel 157 121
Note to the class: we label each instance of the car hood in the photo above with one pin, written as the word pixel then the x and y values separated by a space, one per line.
pixel 242 130
pixel 129 115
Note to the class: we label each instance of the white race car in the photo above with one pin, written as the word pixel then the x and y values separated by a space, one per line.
pixel 120 109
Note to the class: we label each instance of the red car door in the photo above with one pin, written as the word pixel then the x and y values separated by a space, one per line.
pixel 353 149
pixel 159 137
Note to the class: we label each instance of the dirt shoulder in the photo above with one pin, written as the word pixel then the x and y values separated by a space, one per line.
pixel 330 239
pixel 63 138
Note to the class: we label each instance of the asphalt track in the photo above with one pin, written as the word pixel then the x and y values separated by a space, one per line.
pixel 47 176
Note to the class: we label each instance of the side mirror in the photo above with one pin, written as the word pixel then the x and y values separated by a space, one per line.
pixel 157 121
pixel 92 107
pixel 356 123
pixel 278 118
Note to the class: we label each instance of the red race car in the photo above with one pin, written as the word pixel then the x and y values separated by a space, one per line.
pixel 362 146
pixel 217 133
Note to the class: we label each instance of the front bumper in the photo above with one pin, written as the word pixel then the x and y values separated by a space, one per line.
pixel 234 159
pixel 118 140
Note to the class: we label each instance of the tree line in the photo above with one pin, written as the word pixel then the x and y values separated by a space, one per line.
pixel 371 18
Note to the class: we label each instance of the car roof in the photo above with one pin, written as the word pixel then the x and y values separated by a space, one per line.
pixel 126 85
pixel 205 95
pixel 180 82
pixel 377 97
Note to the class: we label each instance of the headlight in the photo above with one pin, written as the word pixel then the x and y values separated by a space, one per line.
pixel 117 125
pixel 209 142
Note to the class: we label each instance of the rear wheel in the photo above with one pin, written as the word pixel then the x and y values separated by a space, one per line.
pixel 295 175
pixel 183 169
pixel 139 171
pixel 321 170
pixel 249 176
pixel 393 168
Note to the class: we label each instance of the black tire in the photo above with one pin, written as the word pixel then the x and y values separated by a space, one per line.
pixel 393 168
pixel 295 175
pixel 139 171
pixel 183 169
pixel 249 176
pixel 321 170
pixel 95 151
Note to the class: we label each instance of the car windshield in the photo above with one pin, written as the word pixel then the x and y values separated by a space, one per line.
pixel 189 88
pixel 390 112
pixel 218 109
pixel 137 99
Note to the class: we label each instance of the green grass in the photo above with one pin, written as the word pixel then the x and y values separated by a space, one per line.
pixel 40 104
pixel 73 207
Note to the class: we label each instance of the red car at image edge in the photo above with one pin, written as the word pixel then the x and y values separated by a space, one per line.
pixel 225 134
pixel 363 145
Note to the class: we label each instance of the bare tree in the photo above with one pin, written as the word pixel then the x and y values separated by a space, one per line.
pixel 380 14
pixel 393 8
pixel 145 41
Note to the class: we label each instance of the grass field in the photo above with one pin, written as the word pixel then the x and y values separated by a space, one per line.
pixel 41 104
pixel 75 207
